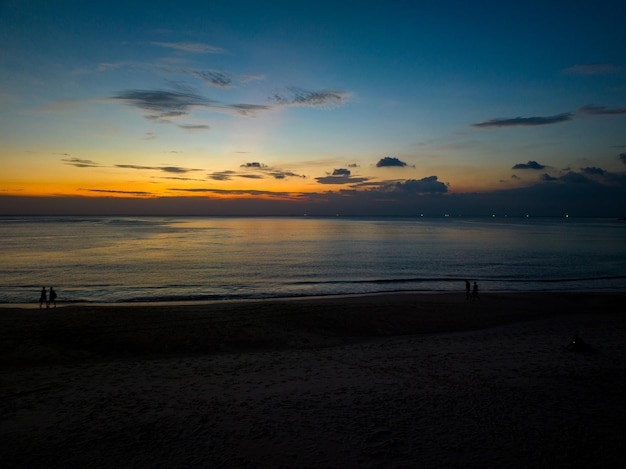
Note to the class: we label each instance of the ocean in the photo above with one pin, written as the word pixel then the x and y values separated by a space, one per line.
pixel 136 259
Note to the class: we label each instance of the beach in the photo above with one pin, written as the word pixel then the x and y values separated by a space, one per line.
pixel 381 380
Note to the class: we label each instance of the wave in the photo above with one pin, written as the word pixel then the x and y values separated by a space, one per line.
pixel 458 279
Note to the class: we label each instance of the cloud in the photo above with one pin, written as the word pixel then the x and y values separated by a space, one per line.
pixel 546 177
pixel 254 164
pixel 246 109
pixel 165 169
pixel 272 172
pixel 572 177
pixel 277 174
pixel 176 178
pixel 427 185
pixel 215 78
pixel 341 176
pixel 299 97
pixel 246 192
pixel 266 171
pixel 340 180
pixel 79 163
pixel 602 110
pixel 194 127
pixel 593 171
pixel 221 78
pixel 592 69
pixel 529 165
pixel 388 161
pixel 222 175
pixel 622 157
pixel 525 121
pixel 161 104
pixel 109 191
pixel 194 47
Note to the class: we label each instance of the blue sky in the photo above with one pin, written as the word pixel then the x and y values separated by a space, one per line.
pixel 397 108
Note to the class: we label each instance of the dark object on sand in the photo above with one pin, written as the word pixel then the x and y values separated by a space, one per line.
pixel 578 345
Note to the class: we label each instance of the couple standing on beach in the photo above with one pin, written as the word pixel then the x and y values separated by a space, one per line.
pixel 44 299
pixel 473 294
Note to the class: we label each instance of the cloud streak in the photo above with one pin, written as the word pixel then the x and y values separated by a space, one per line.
pixel 215 78
pixel 163 105
pixel 165 169
pixel 80 163
pixel 602 110
pixel 193 47
pixel 592 69
pixel 110 191
pixel 298 97
pixel 524 121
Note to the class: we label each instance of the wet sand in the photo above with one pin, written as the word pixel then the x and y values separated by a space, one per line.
pixel 392 380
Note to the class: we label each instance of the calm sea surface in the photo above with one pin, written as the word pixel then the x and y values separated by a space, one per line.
pixel 115 259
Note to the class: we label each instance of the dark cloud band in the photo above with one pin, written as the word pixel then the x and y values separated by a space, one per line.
pixel 525 121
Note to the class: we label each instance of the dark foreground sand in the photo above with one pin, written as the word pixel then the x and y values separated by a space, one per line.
pixel 397 380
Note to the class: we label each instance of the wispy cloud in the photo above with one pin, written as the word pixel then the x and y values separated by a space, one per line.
pixel 262 171
pixel 299 97
pixel 244 192
pixel 525 121
pixel 194 127
pixel 161 104
pixel 341 176
pixel 602 110
pixel 529 165
pixel 622 157
pixel 592 69
pixel 278 174
pixel 194 47
pixel 80 163
pixel 178 178
pixel 165 169
pixel 110 191
pixel 215 78
pixel 222 175
pixel 245 109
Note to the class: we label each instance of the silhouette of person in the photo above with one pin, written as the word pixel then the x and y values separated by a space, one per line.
pixel 43 298
pixel 475 292
pixel 53 298
pixel 468 295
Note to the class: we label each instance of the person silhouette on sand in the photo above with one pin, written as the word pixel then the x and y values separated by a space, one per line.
pixel 43 298
pixel 53 298
pixel 475 296
pixel 468 295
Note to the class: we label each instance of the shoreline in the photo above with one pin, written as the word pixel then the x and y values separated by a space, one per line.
pixel 130 304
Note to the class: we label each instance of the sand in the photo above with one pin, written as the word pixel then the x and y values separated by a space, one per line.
pixel 393 380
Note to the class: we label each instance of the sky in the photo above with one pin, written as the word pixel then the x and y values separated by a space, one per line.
pixel 322 108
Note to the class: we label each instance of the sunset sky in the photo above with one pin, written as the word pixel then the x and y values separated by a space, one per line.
pixel 355 108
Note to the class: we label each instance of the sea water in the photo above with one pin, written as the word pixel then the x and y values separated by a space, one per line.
pixel 120 259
